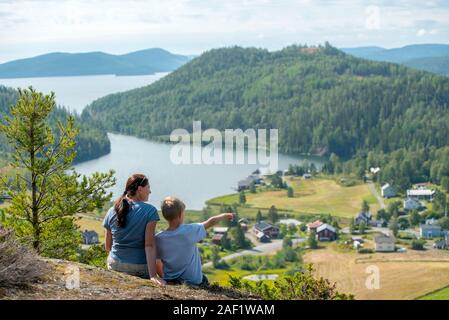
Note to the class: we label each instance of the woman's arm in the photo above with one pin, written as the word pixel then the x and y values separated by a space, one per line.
pixel 108 240
pixel 150 251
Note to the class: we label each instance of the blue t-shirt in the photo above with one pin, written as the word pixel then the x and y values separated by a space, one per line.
pixel 178 251
pixel 128 243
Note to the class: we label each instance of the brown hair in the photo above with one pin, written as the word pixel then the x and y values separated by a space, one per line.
pixel 122 204
pixel 172 208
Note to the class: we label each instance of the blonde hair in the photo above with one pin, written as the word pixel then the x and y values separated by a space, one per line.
pixel 172 208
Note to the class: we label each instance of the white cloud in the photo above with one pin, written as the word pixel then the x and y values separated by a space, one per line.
pixel 98 24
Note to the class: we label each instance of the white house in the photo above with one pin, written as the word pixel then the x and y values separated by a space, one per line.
pixel 388 191
pixel 287 222
pixel 384 243
pixel 412 204
pixel 374 170
pixel 421 194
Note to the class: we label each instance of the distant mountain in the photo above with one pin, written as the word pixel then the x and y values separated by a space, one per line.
pixel 428 57
pixel 60 64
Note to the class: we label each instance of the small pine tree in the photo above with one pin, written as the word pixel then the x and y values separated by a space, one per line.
pixel 290 192
pixel 45 197
pixel 252 187
pixel 273 214
pixel 352 226
pixel 242 197
pixel 259 217
pixel 313 243
pixel 362 227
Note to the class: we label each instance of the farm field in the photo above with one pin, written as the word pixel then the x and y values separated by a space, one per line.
pixel 405 275
pixel 312 196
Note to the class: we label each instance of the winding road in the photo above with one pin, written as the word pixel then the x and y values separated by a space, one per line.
pixel 264 248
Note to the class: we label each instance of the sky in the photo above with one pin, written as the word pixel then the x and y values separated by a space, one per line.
pixel 32 27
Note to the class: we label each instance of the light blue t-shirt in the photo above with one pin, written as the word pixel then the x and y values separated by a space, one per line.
pixel 128 243
pixel 178 251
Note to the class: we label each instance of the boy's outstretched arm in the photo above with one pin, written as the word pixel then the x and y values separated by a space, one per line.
pixel 216 219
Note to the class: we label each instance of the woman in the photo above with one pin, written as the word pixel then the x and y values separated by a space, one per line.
pixel 130 226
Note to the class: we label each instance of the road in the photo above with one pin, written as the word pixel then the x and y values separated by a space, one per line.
pixel 374 192
pixel 264 248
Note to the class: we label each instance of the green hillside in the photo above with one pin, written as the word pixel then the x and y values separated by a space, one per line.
pixel 92 142
pixel 320 99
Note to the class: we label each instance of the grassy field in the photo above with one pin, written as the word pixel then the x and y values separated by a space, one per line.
pixel 222 276
pixel 310 196
pixel 442 294
pixel 402 275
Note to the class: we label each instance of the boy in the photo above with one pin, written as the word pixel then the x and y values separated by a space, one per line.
pixel 176 246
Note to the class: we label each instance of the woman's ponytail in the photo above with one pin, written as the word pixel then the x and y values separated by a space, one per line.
pixel 122 205
pixel 121 208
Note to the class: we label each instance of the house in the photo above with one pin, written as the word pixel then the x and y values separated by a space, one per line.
pixel 267 229
pixel 430 231
pixel 421 194
pixel 244 184
pixel 311 227
pixel 262 237
pixel 307 176
pixel 90 237
pixel 243 222
pixel 412 204
pixel 358 239
pixel 378 223
pixel 374 170
pixel 288 222
pixel 217 238
pixel 388 191
pixel 220 230
pixel 326 232
pixel 384 243
pixel 431 221
pixel 363 217
pixel 442 244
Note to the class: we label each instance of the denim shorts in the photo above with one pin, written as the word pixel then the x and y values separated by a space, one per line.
pixel 138 270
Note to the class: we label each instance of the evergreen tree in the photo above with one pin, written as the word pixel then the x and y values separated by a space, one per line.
pixel 242 197
pixel 365 206
pixel 362 227
pixel 46 197
pixel 290 192
pixel 259 217
pixel 312 242
pixel 273 214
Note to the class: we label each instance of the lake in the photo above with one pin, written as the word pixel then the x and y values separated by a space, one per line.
pixel 75 93
pixel 194 184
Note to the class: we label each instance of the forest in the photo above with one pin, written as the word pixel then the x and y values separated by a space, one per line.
pixel 92 141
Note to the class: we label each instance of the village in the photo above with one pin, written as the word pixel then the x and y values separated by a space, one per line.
pixel 383 222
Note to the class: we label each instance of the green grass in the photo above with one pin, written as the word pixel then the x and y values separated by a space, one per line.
pixel 314 196
pixel 441 294
pixel 222 276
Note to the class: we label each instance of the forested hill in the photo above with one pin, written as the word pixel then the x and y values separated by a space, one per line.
pixel 59 64
pixel 321 99
pixel 92 142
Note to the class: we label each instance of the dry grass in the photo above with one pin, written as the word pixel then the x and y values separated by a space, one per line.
pixel 19 266
pixel 402 275
pixel 99 284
